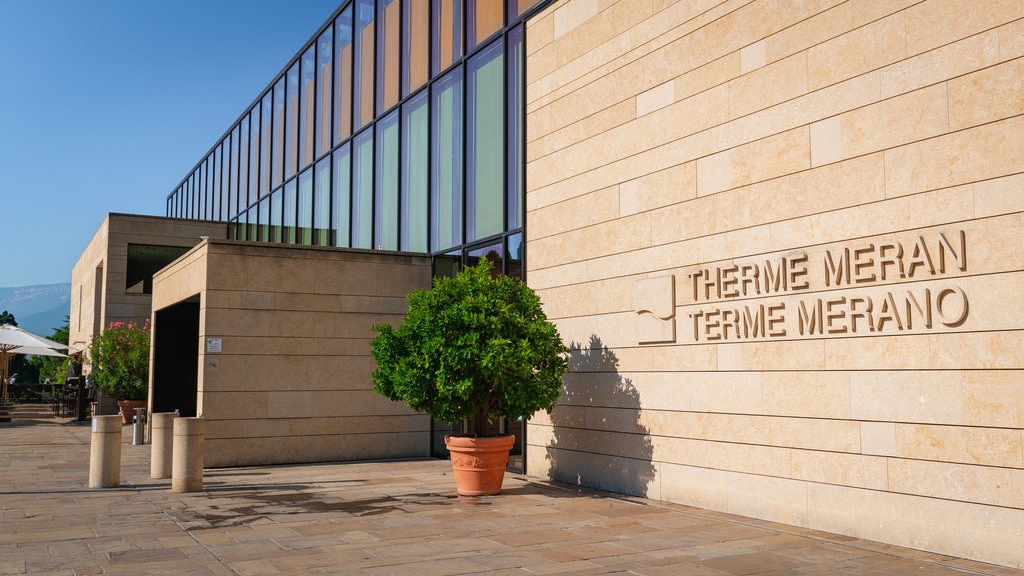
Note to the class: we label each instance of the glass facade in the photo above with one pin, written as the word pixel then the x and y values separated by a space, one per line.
pixel 397 126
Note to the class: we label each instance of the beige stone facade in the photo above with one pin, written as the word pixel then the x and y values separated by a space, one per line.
pixel 99 291
pixel 279 349
pixel 786 240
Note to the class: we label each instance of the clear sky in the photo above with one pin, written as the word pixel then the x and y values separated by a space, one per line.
pixel 105 105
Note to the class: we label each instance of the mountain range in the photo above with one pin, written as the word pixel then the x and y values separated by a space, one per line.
pixel 41 309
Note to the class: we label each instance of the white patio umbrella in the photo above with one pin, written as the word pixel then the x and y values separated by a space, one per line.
pixel 14 340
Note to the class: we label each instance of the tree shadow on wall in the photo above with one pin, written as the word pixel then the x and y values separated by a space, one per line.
pixel 598 439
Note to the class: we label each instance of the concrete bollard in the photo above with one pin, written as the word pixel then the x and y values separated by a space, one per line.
pixel 162 439
pixel 187 454
pixel 105 452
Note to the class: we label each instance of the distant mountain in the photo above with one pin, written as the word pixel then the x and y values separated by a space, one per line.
pixel 40 309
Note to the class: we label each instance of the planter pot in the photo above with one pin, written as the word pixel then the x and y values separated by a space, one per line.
pixel 479 463
pixel 128 409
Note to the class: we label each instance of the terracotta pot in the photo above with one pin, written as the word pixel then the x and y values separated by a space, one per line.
pixel 479 463
pixel 128 409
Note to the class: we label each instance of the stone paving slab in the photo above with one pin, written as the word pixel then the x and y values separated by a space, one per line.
pixel 381 518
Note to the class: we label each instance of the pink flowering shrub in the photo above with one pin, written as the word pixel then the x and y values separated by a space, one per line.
pixel 120 360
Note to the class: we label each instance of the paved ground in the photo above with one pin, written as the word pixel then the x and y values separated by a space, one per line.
pixel 380 518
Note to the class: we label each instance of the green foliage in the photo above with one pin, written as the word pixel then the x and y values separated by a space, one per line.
pixel 474 346
pixel 52 367
pixel 7 318
pixel 120 360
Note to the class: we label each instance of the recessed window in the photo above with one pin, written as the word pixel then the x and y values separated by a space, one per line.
pixel 144 261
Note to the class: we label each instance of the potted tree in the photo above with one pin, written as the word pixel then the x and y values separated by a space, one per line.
pixel 120 365
pixel 475 347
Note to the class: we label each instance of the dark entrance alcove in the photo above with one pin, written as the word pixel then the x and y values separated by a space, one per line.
pixel 176 357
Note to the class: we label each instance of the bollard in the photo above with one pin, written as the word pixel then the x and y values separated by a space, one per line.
pixel 162 439
pixel 187 455
pixel 138 423
pixel 105 452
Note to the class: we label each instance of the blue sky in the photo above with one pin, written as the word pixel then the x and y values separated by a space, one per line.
pixel 105 106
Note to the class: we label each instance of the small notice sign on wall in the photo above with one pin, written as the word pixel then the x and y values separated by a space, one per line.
pixel 213 345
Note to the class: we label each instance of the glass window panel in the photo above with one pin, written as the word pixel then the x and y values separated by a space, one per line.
pixel 389 17
pixel 208 186
pixel 385 220
pixel 217 178
pixel 254 154
pixel 485 19
pixel 305 214
pixel 362 190
pixel 516 117
pixel 322 204
pixel 252 220
pixel 343 75
pixel 446 173
pixel 517 8
pixel 192 195
pixel 307 111
pixel 364 63
pixel 493 252
pixel 291 127
pixel 485 174
pixel 415 44
pixel 264 220
pixel 233 200
pixel 447 20
pixel 340 213
pixel 324 53
pixel 514 258
pixel 277 155
pixel 276 216
pixel 267 118
pixel 240 223
pixel 288 235
pixel 202 190
pixel 243 164
pixel 415 174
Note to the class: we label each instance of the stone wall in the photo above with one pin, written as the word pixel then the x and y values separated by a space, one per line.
pixel 786 241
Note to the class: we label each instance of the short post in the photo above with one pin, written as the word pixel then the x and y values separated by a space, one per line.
pixel 138 427
pixel 105 452
pixel 162 439
pixel 188 451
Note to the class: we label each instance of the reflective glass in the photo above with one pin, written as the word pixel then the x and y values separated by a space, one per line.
pixel 254 154
pixel 389 18
pixel 225 180
pixel 363 102
pixel 277 155
pixel 517 8
pixel 324 52
pixel 415 44
pixel 307 111
pixel 264 220
pixel 485 18
pixel 515 116
pixel 415 174
pixel 233 170
pixel 218 214
pixel 243 164
pixel 251 221
pixel 322 204
pixel 362 190
pixel 202 189
pixel 305 213
pixel 291 128
pixel 275 216
pixel 447 37
pixel 493 252
pixel 385 236
pixel 267 118
pixel 288 234
pixel 341 193
pixel 343 75
pixel 485 175
pixel 514 257
pixel 233 200
pixel 446 173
